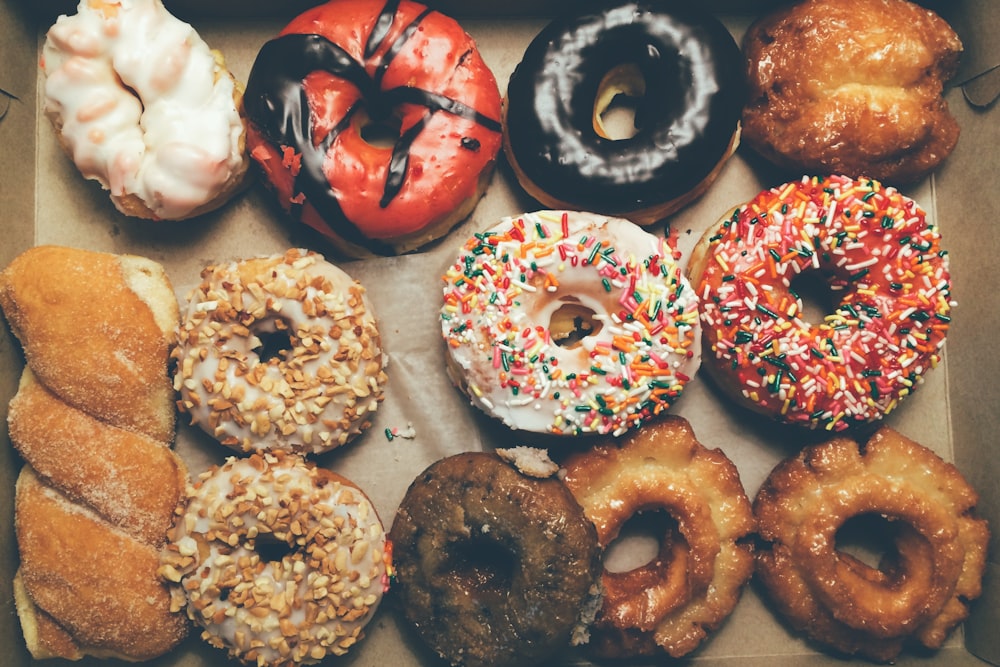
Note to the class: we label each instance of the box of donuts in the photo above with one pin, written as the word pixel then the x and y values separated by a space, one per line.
pixel 486 334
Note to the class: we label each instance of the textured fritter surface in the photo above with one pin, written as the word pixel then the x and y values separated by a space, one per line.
pixel 671 603
pixel 494 568
pixel 922 587
pixel 851 87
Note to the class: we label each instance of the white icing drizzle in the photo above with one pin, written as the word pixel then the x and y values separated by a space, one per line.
pixel 143 106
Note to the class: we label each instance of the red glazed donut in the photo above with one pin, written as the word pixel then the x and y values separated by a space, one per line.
pixel 883 262
pixel 348 68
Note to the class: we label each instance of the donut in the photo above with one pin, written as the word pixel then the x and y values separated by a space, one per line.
pixel 671 603
pixel 97 331
pixel 682 69
pixel 569 323
pixel 493 568
pixel 279 352
pixel 280 562
pixel 376 123
pixel 851 87
pixel 883 262
pixel 93 419
pixel 931 571
pixel 145 108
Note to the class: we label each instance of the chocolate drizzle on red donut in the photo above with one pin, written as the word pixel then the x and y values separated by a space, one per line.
pixel 277 105
pixel 685 121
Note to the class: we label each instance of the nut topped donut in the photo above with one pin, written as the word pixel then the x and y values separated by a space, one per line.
pixel 282 563
pixel 350 76
pixel 145 108
pixel 280 352
pixel 683 70
pixel 884 264
pixel 570 323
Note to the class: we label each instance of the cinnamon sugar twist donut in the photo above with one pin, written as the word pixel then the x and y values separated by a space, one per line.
pixel 922 588
pixel 671 603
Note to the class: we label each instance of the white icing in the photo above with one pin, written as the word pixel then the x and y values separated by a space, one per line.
pixel 313 397
pixel 143 105
pixel 232 510
pixel 482 320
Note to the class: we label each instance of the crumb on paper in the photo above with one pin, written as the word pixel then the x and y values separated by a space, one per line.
pixel 531 461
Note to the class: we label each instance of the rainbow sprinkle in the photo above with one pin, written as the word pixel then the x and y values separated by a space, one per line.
pixel 878 253
pixel 501 291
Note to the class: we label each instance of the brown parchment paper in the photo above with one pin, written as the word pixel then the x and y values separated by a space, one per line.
pixel 406 294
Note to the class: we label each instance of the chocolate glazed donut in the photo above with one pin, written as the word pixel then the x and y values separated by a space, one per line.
pixel 277 106
pixel 685 70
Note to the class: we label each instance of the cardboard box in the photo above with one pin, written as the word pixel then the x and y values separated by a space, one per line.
pixel 44 200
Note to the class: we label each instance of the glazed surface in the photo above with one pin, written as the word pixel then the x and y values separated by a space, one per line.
pixel 685 120
pixel 346 64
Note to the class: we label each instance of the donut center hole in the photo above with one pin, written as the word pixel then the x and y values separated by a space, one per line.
pixel 641 540
pixel 382 132
pixel 482 566
pixel 273 345
pixel 271 550
pixel 571 323
pixel 618 97
pixel 817 298
pixel 870 538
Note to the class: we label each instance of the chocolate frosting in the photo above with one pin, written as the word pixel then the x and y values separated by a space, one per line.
pixel 685 121
pixel 276 104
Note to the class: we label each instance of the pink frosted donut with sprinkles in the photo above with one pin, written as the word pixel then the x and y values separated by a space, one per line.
pixel 570 323
pixel 882 261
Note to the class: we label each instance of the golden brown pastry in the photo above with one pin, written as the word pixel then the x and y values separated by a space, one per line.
pixel 672 603
pixel 851 87
pixel 93 419
pixel 96 329
pixel 919 592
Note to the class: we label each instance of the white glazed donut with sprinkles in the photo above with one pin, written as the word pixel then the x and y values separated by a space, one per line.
pixel 570 323
pixel 883 261
pixel 280 352
pixel 281 562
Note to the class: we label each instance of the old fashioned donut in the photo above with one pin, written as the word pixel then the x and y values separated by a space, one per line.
pixel 280 352
pixel 569 323
pixel 922 588
pixel 144 107
pixel 350 69
pixel 494 568
pixel 680 66
pixel 884 264
pixel 273 533
pixel 690 587
pixel 851 87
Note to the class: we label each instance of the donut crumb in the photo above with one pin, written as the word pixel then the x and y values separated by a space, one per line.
pixel 530 461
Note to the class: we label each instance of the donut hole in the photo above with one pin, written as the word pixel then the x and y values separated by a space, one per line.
pixel 382 132
pixel 272 550
pixel 273 344
pixel 817 299
pixel 641 541
pixel 482 566
pixel 572 322
pixel 618 98
pixel 869 538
